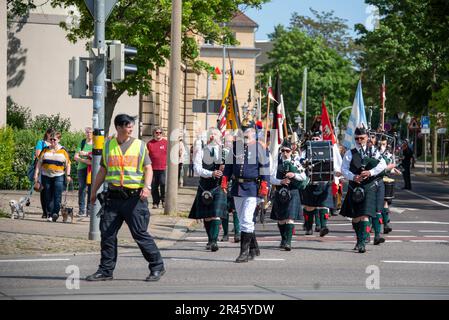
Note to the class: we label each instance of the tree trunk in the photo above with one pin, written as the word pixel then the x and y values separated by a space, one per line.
pixel 110 102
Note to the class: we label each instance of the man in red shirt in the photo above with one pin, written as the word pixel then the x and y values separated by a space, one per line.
pixel 157 150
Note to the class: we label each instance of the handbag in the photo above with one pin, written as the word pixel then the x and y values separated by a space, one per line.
pixel 31 169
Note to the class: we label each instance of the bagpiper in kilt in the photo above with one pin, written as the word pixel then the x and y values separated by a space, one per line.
pixel 391 168
pixel 361 167
pixel 376 221
pixel 287 175
pixel 249 165
pixel 210 202
pixel 317 198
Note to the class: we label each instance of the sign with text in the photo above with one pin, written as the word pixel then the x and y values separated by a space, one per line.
pixel 425 122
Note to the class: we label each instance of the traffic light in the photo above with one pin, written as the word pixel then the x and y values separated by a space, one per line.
pixel 78 78
pixel 117 53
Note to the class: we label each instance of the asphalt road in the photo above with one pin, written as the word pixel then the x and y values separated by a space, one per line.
pixel 412 264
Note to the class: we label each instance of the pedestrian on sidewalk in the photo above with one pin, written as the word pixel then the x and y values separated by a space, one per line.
pixel 157 150
pixel 53 164
pixel 41 145
pixel 191 162
pixel 182 154
pixel 126 199
pixel 407 155
pixel 83 156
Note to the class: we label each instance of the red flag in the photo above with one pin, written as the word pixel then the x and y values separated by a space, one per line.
pixel 328 132
pixel 217 70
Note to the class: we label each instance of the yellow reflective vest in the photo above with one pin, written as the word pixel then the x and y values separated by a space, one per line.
pixel 124 170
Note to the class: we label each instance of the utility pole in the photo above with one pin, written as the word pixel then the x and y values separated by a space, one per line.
pixel 98 49
pixel 171 203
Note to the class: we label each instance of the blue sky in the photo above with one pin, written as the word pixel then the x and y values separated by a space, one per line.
pixel 280 11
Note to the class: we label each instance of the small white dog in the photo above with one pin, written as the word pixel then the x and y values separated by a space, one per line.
pixel 17 208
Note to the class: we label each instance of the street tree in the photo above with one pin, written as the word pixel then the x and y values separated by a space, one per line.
pixel 333 30
pixel 329 73
pixel 145 25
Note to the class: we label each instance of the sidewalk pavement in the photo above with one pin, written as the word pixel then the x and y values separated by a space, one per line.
pixel 36 236
pixel 419 170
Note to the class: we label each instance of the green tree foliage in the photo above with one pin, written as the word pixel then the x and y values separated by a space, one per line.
pixel 42 122
pixel 146 25
pixel 17 117
pixel 6 157
pixel 19 8
pixel 329 73
pixel 410 48
pixel 333 30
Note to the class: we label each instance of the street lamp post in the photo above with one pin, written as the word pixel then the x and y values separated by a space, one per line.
pixel 337 128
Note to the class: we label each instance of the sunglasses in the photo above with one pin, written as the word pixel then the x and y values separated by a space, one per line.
pixel 285 150
pixel 53 139
pixel 359 138
pixel 158 132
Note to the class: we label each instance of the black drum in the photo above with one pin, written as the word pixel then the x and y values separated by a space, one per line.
pixel 320 161
pixel 389 188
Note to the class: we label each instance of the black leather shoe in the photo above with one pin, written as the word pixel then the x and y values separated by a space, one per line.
pixel 208 245
pixel 214 247
pixel 317 229
pixel 362 249
pixel 55 217
pixel 225 238
pixel 387 229
pixel 155 275
pixel 237 238
pixel 98 276
pixel 324 231
pixel 378 241
pixel 287 247
pixel 309 232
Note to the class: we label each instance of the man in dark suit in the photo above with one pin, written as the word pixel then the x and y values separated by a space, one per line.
pixel 407 154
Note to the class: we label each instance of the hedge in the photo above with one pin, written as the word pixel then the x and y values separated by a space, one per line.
pixel 16 154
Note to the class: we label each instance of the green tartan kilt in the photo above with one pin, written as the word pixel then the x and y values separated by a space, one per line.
pixel 318 195
pixel 366 208
pixel 281 211
pixel 218 208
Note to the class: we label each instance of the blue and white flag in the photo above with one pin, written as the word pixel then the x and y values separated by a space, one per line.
pixel 357 118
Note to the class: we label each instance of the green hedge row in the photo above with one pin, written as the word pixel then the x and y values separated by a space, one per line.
pixel 16 154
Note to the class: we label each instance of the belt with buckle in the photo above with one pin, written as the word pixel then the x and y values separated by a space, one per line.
pixel 241 180
pixel 124 193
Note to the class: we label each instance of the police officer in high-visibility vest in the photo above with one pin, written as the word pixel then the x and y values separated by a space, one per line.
pixel 126 168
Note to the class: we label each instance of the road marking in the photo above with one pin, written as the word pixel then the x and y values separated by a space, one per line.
pixel 426 198
pixel 393 241
pixel 419 222
pixel 268 259
pixel 418 262
pixel 34 260
pixel 404 236
pixel 424 241
pixel 397 230
pixel 436 236
pixel 401 210
pixel 432 231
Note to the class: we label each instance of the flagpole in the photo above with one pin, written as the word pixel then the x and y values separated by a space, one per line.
pixel 305 99
pixel 382 112
pixel 268 112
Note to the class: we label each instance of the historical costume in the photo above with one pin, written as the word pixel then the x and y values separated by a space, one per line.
pixel 249 165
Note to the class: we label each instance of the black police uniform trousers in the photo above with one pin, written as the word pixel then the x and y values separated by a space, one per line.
pixel 137 216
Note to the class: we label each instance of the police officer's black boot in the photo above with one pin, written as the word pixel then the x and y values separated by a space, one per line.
pixel 253 247
pixel 244 247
